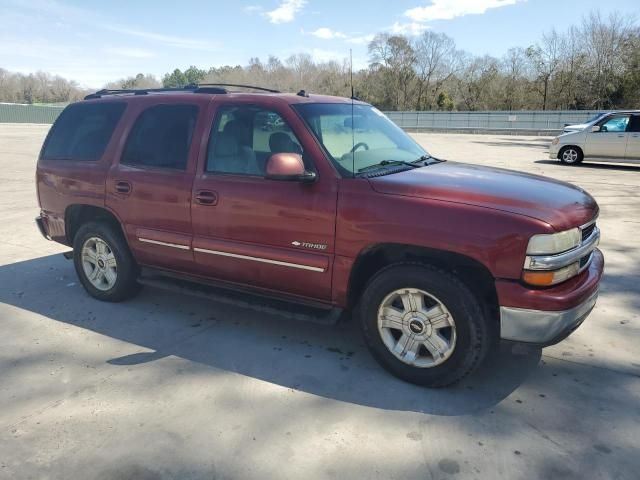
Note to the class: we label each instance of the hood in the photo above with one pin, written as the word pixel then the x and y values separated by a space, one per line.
pixel 559 204
pixel 575 128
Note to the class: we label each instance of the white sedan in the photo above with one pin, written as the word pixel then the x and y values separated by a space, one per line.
pixel 613 138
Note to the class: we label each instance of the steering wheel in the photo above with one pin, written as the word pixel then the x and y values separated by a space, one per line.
pixel 358 145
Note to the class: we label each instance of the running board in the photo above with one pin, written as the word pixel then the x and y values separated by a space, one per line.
pixel 320 314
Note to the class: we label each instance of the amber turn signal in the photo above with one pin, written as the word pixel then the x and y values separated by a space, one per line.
pixel 539 279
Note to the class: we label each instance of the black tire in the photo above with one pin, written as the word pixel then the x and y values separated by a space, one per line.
pixel 571 155
pixel 126 285
pixel 473 331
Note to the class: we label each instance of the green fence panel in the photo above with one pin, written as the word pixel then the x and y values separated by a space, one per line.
pixel 542 122
pixel 17 113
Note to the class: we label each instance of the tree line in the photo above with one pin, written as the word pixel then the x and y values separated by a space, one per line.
pixel 592 65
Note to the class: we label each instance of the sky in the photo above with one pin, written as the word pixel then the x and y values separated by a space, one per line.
pixel 94 42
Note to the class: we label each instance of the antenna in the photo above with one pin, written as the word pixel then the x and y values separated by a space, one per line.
pixel 351 71
pixel 353 126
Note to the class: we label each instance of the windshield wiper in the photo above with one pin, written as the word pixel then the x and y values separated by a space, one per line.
pixel 423 158
pixel 385 163
pixel 426 158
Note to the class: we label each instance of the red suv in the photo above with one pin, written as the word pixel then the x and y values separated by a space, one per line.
pixel 321 204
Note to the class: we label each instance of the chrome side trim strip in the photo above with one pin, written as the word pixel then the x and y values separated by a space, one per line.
pixel 258 259
pixel 164 244
pixel 555 262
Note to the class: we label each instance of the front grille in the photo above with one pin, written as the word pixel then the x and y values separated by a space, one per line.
pixel 584 260
pixel 587 231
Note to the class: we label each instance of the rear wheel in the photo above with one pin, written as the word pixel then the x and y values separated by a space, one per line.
pixel 423 324
pixel 104 263
pixel 571 155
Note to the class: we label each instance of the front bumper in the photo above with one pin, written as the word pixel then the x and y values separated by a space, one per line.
pixel 547 316
pixel 553 151
pixel 543 327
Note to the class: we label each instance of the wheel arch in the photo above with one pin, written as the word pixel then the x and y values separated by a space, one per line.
pixel 570 145
pixel 78 214
pixel 471 272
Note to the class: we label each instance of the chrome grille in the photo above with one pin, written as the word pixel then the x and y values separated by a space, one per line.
pixel 587 231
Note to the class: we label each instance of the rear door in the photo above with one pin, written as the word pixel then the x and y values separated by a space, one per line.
pixel 610 142
pixel 633 140
pixel 149 188
pixel 275 235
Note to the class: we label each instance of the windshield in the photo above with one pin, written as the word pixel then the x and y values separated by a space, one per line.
pixel 359 136
pixel 596 117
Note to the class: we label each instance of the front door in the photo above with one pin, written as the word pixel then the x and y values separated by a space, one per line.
pixel 610 142
pixel 275 235
pixel 150 187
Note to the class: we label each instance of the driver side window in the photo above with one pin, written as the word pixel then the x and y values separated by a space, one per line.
pixel 615 124
pixel 244 137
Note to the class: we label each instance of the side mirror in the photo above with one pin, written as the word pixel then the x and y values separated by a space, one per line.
pixel 595 128
pixel 288 167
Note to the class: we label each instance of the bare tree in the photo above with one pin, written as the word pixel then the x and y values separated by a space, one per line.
pixel 515 72
pixel 605 42
pixel 394 57
pixel 435 63
pixel 545 59
pixel 475 82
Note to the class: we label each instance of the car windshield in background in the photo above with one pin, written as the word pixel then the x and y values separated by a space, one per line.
pixel 596 117
pixel 359 137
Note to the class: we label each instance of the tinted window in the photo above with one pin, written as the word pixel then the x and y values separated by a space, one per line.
pixel 244 137
pixel 161 137
pixel 635 124
pixel 82 131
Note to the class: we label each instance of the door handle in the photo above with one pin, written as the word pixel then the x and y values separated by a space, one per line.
pixel 123 187
pixel 206 197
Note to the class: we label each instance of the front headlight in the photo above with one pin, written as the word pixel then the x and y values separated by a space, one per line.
pixel 555 141
pixel 551 244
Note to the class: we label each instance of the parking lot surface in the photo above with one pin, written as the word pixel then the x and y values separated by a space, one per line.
pixel 172 386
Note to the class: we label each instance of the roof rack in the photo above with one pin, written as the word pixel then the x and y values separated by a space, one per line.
pixel 215 88
pixel 144 91
pixel 238 85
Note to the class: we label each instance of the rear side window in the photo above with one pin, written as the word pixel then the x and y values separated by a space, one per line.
pixel 161 137
pixel 82 131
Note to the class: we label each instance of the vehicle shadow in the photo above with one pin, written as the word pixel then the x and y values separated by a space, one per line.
pixel 328 361
pixel 593 165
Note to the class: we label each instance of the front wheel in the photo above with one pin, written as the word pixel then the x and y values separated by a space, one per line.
pixel 104 263
pixel 423 325
pixel 571 155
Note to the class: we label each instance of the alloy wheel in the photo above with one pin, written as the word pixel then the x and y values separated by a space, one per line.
pixel 570 155
pixel 99 263
pixel 416 327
